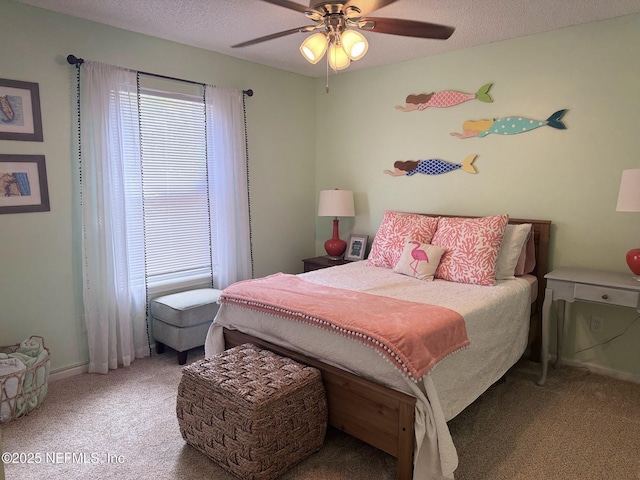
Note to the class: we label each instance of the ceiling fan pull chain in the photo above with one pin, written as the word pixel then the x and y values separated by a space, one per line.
pixel 327 84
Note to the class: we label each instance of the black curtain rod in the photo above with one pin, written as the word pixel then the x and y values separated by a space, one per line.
pixel 73 60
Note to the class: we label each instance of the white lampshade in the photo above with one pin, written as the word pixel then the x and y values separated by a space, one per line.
pixel 629 201
pixel 336 203
pixel 629 195
pixel 354 44
pixel 338 58
pixel 314 47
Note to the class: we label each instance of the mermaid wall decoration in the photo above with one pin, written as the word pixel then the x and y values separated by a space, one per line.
pixel 508 125
pixel 445 98
pixel 430 167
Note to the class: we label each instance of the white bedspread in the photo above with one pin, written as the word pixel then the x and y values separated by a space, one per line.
pixel 497 322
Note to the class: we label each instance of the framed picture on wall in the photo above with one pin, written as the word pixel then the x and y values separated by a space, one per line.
pixel 20 111
pixel 23 184
pixel 356 247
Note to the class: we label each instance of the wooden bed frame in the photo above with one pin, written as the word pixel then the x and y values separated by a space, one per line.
pixel 379 415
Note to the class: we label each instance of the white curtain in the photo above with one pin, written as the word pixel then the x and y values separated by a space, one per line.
pixel 228 184
pixel 113 257
pixel 114 291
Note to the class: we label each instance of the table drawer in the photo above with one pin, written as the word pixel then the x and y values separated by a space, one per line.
pixel 595 293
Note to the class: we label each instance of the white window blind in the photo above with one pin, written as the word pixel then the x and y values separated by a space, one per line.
pixel 177 228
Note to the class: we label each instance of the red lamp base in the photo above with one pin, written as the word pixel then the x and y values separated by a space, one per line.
pixel 633 260
pixel 335 247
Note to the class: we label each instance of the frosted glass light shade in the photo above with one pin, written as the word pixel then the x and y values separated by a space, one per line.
pixel 354 44
pixel 338 58
pixel 314 47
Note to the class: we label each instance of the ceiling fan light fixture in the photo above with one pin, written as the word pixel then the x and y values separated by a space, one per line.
pixel 338 58
pixel 314 47
pixel 338 24
pixel 354 44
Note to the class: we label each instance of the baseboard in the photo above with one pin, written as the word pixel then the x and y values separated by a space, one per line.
pixel 609 372
pixel 68 372
pixel 77 370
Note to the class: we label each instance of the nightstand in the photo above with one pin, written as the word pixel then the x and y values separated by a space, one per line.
pixel 584 285
pixel 316 263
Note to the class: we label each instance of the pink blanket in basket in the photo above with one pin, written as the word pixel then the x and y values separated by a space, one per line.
pixel 413 336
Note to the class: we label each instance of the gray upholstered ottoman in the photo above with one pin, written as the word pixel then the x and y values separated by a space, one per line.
pixel 255 413
pixel 181 320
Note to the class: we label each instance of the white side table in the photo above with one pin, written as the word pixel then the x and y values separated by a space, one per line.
pixel 578 284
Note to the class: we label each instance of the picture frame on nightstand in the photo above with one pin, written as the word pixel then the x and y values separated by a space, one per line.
pixel 356 247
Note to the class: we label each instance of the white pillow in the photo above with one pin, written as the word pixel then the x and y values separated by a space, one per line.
pixel 512 243
pixel 419 260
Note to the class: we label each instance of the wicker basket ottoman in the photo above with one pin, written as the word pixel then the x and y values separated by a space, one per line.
pixel 253 412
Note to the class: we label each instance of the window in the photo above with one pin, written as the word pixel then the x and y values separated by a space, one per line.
pixel 177 230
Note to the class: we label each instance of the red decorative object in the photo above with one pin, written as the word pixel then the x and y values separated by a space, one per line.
pixel 335 203
pixel 335 246
pixel 633 260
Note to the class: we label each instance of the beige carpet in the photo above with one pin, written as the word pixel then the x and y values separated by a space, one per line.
pixel 123 426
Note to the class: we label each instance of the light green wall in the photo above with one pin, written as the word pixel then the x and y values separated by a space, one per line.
pixel 570 177
pixel 40 280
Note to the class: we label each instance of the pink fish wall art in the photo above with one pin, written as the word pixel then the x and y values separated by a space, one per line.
pixel 445 98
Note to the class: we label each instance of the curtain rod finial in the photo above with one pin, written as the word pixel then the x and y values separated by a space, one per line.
pixel 249 93
pixel 73 60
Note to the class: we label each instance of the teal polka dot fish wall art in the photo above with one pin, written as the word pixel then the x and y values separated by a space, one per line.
pixel 509 125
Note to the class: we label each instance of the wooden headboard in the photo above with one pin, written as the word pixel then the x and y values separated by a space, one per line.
pixel 542 233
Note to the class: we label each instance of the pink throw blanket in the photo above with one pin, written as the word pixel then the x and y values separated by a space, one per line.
pixel 413 336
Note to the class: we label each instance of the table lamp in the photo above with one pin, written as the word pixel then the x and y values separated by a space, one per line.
pixel 629 201
pixel 335 203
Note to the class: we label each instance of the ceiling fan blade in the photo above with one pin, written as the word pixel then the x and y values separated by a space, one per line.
pixel 293 6
pixel 307 28
pixel 407 28
pixel 367 6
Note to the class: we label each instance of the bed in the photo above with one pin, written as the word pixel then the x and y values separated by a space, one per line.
pixel 367 396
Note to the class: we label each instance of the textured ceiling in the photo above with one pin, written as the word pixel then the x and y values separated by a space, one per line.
pixel 218 24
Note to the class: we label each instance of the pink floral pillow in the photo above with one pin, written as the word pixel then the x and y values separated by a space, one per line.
pixel 395 229
pixel 472 246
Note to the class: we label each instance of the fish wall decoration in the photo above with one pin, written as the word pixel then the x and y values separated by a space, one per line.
pixel 445 98
pixel 509 125
pixel 430 167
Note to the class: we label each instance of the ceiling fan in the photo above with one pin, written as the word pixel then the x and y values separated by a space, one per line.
pixel 337 24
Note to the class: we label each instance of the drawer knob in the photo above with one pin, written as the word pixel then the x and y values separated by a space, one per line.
pixel 605 296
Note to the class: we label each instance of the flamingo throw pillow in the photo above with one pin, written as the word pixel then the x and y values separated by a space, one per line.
pixel 419 260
